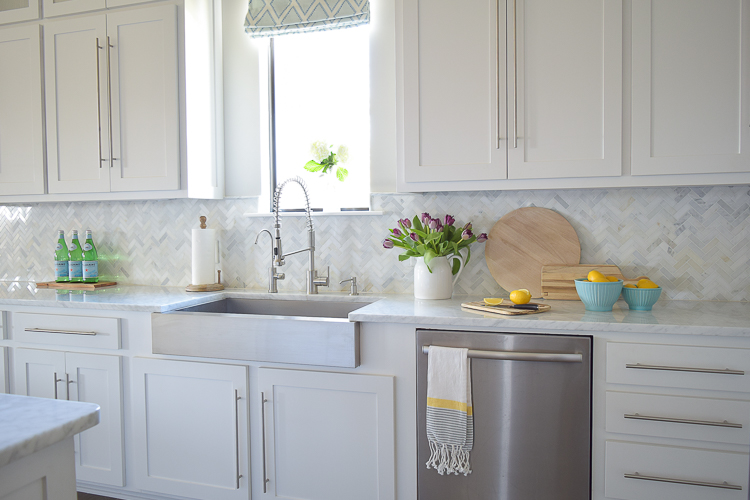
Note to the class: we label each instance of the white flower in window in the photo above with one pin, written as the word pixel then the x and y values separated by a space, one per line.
pixel 343 154
pixel 319 150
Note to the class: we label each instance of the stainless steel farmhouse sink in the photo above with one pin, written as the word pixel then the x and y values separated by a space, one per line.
pixel 308 332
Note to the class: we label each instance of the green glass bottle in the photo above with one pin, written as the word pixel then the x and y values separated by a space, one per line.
pixel 75 259
pixel 90 260
pixel 61 258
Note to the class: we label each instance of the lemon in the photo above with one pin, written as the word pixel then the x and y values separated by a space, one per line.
pixel 597 277
pixel 521 296
pixel 493 301
pixel 629 285
pixel 646 283
pixel 613 278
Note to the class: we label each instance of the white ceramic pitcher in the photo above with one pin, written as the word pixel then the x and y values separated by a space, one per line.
pixel 437 284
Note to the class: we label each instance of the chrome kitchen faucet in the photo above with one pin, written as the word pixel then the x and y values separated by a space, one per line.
pixel 313 280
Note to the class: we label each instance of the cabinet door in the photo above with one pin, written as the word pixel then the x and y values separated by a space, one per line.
pixel 328 436
pixel 3 371
pixel 64 7
pixel 454 90
pixel 12 11
pixel 565 97
pixel 75 69
pixel 145 105
pixel 191 428
pixel 21 140
pixel 691 86
pixel 39 373
pixel 95 378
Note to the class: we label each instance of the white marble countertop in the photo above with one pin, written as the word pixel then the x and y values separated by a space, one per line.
pixel 31 424
pixel 668 316
pixel 144 298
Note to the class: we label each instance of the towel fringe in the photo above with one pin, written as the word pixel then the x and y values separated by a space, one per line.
pixel 452 459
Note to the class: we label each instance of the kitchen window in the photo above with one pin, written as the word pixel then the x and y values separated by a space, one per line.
pixel 319 92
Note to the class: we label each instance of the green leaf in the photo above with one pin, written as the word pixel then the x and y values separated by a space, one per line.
pixel 418 226
pixel 433 236
pixel 468 255
pixel 342 173
pixel 313 166
pixel 420 233
pixel 403 257
pixel 456 266
pixel 455 246
pixel 428 256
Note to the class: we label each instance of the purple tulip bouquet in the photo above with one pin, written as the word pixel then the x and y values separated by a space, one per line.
pixel 429 238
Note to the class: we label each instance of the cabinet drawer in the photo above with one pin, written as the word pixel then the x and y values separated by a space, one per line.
pixel 667 473
pixel 702 419
pixel 690 367
pixel 66 330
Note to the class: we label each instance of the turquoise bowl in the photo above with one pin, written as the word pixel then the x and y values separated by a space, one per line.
pixel 598 296
pixel 641 299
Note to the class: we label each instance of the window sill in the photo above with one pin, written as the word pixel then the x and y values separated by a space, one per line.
pixel 317 214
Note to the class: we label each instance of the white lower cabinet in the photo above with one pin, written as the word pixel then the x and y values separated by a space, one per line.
pixel 190 422
pixel 327 436
pixel 3 372
pixel 90 378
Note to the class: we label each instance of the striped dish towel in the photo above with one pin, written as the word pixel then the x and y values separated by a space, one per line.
pixel 450 420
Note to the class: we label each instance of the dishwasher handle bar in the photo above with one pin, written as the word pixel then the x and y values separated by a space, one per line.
pixel 559 357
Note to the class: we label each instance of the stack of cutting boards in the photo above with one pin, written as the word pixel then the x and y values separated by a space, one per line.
pixel 558 281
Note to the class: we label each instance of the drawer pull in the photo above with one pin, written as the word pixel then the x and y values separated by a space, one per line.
pixel 67 332
pixel 725 371
pixel 724 423
pixel 724 485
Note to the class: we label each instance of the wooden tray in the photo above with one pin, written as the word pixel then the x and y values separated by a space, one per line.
pixel 505 311
pixel 75 286
pixel 558 281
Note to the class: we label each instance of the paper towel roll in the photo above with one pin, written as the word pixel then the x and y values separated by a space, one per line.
pixel 204 256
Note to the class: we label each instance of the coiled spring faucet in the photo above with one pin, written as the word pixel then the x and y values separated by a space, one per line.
pixel 313 280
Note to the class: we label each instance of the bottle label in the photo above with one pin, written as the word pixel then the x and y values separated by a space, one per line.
pixel 90 269
pixel 75 269
pixel 87 247
pixel 61 269
pixel 72 247
pixel 58 247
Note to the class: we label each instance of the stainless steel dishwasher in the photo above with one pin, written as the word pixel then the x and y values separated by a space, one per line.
pixel 531 397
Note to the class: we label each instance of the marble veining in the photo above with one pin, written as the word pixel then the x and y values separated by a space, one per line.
pixel 31 424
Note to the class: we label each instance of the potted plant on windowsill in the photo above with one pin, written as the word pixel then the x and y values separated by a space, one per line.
pixel 324 159
pixel 433 242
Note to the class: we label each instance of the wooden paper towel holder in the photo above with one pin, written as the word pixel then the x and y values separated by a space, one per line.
pixel 212 287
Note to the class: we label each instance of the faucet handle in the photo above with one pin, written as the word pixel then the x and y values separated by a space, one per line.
pixel 353 289
pixel 322 280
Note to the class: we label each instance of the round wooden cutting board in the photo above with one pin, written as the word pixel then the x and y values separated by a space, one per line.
pixel 523 241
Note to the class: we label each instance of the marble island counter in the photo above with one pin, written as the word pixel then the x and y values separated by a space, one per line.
pixel 36 445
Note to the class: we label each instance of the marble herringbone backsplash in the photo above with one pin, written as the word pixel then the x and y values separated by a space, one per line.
pixel 694 242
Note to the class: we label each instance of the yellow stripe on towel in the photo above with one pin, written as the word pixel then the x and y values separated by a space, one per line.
pixel 450 405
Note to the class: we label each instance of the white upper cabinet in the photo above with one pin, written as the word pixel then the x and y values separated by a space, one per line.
pixel 454 90
pixel 564 88
pixel 12 11
pixel 691 86
pixel 145 102
pixel 21 139
pixel 112 102
pixel 518 89
pixel 75 56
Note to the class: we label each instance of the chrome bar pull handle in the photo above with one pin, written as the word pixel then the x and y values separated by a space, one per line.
pixel 515 76
pixel 56 381
pixel 237 434
pixel 109 100
pixel 723 485
pixel 559 357
pixel 99 102
pixel 67 386
pixel 66 332
pixel 263 402
pixel 725 371
pixel 637 416
pixel 497 75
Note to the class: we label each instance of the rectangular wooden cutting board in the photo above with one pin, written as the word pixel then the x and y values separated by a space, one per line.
pixel 505 311
pixel 75 286
pixel 558 281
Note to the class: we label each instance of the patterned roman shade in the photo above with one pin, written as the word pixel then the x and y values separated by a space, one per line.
pixel 282 17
